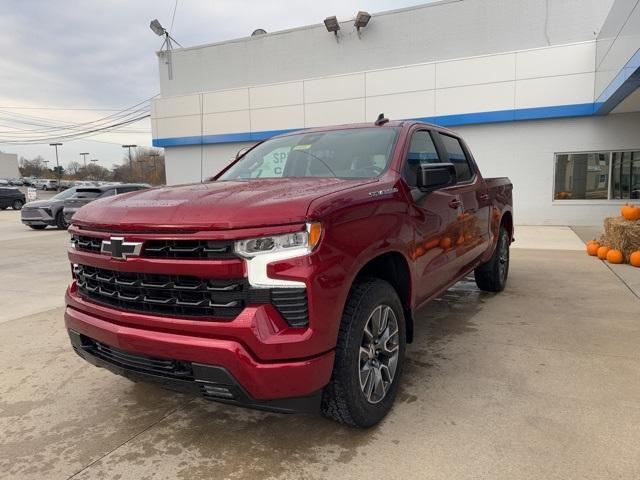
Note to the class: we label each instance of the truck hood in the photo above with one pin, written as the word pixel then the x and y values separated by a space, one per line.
pixel 212 206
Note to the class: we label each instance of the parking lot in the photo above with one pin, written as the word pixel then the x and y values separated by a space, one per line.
pixel 541 381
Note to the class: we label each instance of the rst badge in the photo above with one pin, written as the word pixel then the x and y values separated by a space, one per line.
pixel 119 249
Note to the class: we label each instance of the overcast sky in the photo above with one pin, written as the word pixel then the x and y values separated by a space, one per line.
pixel 101 55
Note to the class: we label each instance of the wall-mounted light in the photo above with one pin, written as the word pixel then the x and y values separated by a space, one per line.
pixel 361 21
pixel 332 25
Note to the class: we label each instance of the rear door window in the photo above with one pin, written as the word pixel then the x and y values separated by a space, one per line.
pixel 456 155
pixel 422 150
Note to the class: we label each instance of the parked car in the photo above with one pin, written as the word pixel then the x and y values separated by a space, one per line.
pixel 11 197
pixel 4 182
pixel 46 184
pixel 41 213
pixel 292 281
pixel 85 195
pixel 16 182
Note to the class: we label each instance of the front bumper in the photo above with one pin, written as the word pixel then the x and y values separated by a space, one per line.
pixel 36 216
pixel 210 381
pixel 261 380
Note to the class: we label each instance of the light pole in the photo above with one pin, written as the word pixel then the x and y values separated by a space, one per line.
pixel 84 157
pixel 130 163
pixel 56 145
pixel 155 156
pixel 94 160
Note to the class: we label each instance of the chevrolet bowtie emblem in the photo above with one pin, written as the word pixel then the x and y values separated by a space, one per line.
pixel 119 249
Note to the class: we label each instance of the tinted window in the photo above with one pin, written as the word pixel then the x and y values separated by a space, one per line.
pixel 88 192
pixel 422 150
pixel 108 193
pixel 457 157
pixel 347 153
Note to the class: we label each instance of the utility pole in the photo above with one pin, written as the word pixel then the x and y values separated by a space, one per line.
pixel 56 145
pixel 130 162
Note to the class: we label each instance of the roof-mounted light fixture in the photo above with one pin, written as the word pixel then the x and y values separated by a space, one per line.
pixel 362 20
pixel 159 30
pixel 332 25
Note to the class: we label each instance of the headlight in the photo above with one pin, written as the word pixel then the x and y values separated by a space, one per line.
pixel 305 240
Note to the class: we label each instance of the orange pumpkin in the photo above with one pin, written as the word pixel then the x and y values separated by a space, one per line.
pixel 634 258
pixel 419 251
pixel 445 243
pixel 602 252
pixel 630 212
pixel 592 248
pixel 615 256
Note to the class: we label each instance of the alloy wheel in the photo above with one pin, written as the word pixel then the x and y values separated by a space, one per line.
pixel 379 352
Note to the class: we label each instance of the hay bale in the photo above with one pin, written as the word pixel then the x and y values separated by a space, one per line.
pixel 621 234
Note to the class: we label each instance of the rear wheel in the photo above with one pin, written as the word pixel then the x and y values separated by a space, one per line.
pixel 38 227
pixel 492 275
pixel 17 204
pixel 369 356
pixel 61 223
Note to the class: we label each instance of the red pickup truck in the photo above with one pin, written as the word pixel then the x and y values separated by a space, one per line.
pixel 291 281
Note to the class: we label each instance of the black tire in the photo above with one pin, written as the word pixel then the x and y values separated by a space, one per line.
pixel 61 223
pixel 3 208
pixel 344 399
pixel 492 276
pixel 38 227
pixel 17 204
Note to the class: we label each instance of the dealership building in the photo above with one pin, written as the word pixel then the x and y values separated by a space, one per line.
pixel 545 92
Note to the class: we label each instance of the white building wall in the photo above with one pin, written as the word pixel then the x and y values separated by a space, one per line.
pixel 9 165
pixel 549 76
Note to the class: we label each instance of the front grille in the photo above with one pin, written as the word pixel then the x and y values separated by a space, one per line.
pixel 183 296
pixel 176 249
pixel 88 244
pixel 139 363
pixel 202 249
pixel 163 294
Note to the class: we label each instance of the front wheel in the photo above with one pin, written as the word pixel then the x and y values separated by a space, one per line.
pixel 17 204
pixel 492 275
pixel 61 223
pixel 369 356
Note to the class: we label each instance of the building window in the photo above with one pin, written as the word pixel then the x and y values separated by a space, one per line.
pixel 625 174
pixel 597 176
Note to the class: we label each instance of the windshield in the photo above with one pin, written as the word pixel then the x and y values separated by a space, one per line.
pixel 64 194
pixel 348 153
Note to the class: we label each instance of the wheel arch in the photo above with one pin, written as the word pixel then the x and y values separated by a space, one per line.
pixel 393 268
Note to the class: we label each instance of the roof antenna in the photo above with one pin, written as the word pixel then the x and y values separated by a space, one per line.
pixel 381 120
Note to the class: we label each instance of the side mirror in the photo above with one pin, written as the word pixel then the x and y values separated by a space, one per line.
pixel 432 176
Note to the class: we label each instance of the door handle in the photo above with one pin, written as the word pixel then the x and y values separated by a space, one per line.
pixel 455 204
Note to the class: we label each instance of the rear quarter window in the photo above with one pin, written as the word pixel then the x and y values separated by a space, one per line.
pixel 456 155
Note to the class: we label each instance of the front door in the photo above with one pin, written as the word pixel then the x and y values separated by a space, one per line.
pixel 434 217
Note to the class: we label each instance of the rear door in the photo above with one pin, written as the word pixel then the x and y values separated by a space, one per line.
pixel 433 215
pixel 471 227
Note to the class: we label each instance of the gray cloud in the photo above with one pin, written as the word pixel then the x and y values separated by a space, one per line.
pixel 102 54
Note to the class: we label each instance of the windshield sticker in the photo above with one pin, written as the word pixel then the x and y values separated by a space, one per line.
pixel 302 147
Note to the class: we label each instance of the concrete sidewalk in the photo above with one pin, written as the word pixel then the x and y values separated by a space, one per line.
pixel 540 381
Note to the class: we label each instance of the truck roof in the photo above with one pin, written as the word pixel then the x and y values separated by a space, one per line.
pixel 390 123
